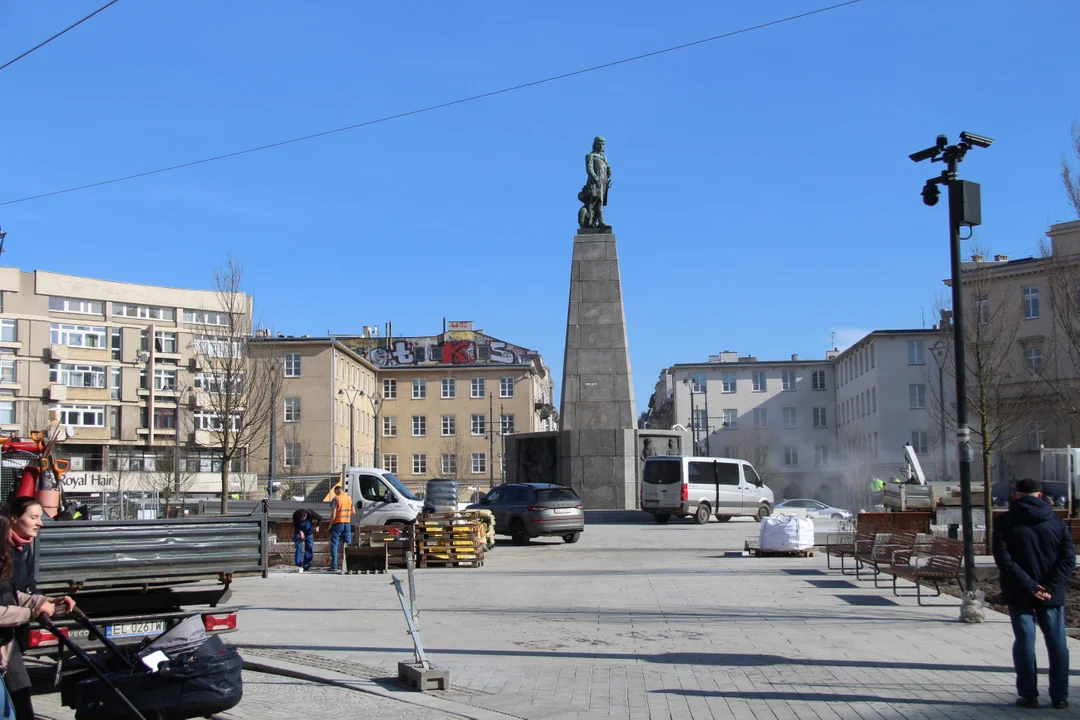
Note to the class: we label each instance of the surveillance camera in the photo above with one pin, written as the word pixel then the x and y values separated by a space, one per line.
pixel 927 154
pixel 976 140
pixel 930 193
pixel 942 141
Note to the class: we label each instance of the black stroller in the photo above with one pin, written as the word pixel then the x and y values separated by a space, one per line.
pixel 195 675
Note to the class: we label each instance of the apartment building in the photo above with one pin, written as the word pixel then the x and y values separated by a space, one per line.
pixel 778 414
pixel 448 400
pixel 111 361
pixel 889 393
pixel 322 383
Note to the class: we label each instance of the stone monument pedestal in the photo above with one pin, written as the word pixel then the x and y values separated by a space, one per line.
pixel 597 446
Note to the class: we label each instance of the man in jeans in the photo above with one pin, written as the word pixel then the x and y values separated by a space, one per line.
pixel 341 508
pixel 1036 557
pixel 305 525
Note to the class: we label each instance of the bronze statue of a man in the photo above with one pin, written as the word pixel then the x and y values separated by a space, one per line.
pixel 594 195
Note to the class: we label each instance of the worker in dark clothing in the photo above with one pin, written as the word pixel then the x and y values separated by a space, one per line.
pixel 1035 554
pixel 305 525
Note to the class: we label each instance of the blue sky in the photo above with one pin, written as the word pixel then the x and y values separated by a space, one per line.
pixel 762 198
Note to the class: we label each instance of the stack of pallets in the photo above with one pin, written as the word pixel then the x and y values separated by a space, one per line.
pixel 449 540
pixel 378 548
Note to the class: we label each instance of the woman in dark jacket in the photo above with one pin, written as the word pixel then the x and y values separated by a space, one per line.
pixel 21 568
pixel 17 609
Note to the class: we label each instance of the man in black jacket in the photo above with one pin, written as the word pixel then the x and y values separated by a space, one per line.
pixel 305 525
pixel 1036 557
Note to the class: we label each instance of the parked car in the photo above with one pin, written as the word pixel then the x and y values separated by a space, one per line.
pixel 699 487
pixel 527 510
pixel 804 507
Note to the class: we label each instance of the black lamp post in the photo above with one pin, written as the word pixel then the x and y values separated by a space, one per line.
pixel 964 209
pixel 689 382
pixel 351 396
pixel 376 401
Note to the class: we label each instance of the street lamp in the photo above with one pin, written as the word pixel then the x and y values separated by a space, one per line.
pixel 689 382
pixel 351 394
pixel 965 208
pixel 376 401
pixel 176 448
pixel 938 351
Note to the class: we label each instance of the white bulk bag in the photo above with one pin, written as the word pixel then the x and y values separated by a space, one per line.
pixel 785 533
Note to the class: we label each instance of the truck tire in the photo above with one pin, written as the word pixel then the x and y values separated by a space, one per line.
pixel 661 518
pixel 571 538
pixel 763 512
pixel 701 517
pixel 723 518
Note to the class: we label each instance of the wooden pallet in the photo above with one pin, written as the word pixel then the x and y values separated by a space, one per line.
pixel 479 562
pixel 758 552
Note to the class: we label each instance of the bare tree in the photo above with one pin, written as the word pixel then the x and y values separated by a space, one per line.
pixel 294 458
pixel 454 447
pixel 1072 186
pixel 238 386
pixel 998 391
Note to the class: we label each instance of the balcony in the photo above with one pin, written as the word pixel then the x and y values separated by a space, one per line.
pixel 58 392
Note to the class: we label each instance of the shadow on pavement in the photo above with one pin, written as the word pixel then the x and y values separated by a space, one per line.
pixel 826 697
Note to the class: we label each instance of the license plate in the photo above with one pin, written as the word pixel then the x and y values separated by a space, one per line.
pixel 563 511
pixel 135 629
pixel 648 503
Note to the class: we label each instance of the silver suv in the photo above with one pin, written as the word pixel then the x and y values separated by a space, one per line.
pixel 530 510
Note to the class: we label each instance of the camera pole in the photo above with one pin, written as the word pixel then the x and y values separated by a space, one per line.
pixel 964 209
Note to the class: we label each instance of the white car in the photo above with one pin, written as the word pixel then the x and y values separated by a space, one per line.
pixel 809 508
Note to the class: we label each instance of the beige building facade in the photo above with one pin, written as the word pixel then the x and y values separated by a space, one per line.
pixel 449 400
pixel 322 382
pixel 116 363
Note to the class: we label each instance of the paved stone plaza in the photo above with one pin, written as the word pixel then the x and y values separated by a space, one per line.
pixel 634 621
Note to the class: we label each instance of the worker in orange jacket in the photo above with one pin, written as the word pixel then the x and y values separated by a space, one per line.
pixel 341 509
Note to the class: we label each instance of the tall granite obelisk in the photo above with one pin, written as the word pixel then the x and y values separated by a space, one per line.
pixel 597 448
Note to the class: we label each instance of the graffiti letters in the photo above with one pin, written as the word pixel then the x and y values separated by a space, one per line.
pixel 459 353
pixel 480 350
pixel 506 354
pixel 403 354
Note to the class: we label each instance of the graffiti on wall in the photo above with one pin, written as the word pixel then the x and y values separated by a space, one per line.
pixel 469 348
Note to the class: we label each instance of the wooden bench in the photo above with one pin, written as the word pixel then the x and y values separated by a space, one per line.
pixel 942 563
pixel 847 545
pixel 888 551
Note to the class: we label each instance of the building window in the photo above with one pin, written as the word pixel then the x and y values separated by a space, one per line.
pixel 389 462
pixel 506 387
pixel 292 454
pixel 1033 360
pixel 917 396
pixel 8 332
pixel 761 418
pixel 477 389
pixel 982 308
pixel 163 379
pixel 292 364
pixel 818 380
pixel 915 353
pixel 757 381
pixel 731 419
pixel 115 339
pixel 790 418
pixel 727 382
pixel 75 305
pixel 788 378
pixel 479 425
pixel 479 463
pixel 449 388
pixel 292 409
pixel 819 417
pixel 164 418
pixel 506 423
pixel 114 422
pixel 7 412
pixel 214 346
pixel 213 421
pixel 1030 295
pixel 389 389
pixel 449 464
pixel 143 312
pixel 449 425
pixel 821 455
pixel 77 335
pixel 419 389
pixel 80 376
pixel 1036 433
pixel 419 425
pixel 919 441
pixel 701 420
pixel 165 341
pixel 205 317
pixel 791 455
pixel 82 415
pixel 697 382
pixel 419 464
pixel 873 399
pixel 389 426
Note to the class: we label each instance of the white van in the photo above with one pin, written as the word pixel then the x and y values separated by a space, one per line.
pixel 381 499
pixel 703 486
